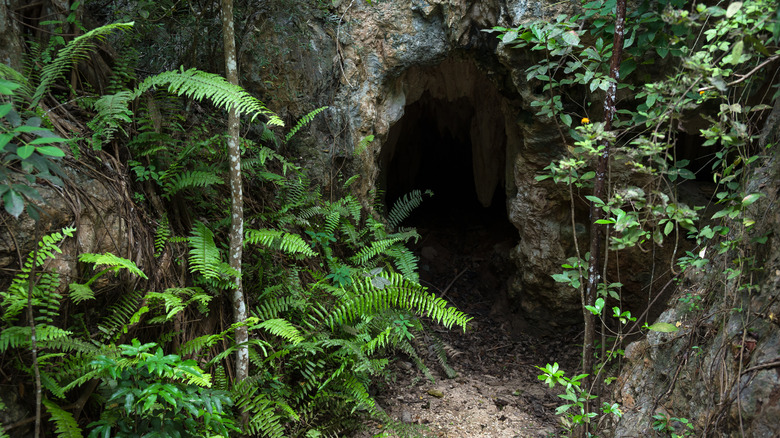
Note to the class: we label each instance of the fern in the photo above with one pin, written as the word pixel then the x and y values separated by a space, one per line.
pixel 264 419
pixel 161 235
pixel 199 85
pixel 289 243
pixel 404 206
pixel 66 425
pixel 205 258
pixel 363 144
pixel 14 300
pixel 281 328
pixel 377 247
pixel 74 52
pixel 120 314
pixel 112 263
pixel 303 121
pixel 190 179
pixel 175 300
pixel 112 112
pixel 398 293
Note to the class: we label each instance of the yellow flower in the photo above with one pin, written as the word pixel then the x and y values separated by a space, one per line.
pixel 701 92
pixel 585 120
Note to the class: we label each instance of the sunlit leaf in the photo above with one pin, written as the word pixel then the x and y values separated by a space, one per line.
pixel 663 327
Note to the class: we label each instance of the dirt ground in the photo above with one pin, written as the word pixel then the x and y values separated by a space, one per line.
pixel 496 392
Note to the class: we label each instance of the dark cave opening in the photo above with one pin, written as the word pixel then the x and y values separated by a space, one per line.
pixel 433 151
pixel 466 238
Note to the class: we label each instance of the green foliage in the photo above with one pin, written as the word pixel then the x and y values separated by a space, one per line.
pixel 303 121
pixel 334 290
pixel 199 85
pixel 673 426
pixel 27 153
pixel 680 63
pixel 206 259
pixel 154 395
pixel 66 425
pixel 404 206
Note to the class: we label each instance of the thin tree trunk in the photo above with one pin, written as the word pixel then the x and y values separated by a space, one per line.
pixel 33 336
pixel 599 191
pixel 236 191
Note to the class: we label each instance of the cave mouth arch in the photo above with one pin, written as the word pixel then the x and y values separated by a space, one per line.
pixel 451 138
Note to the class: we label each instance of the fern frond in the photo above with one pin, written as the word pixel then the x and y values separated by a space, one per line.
pixel 74 52
pixel 66 425
pixel 405 260
pixel 272 308
pixel 262 411
pixel 287 242
pixel 281 328
pixel 189 179
pixel 363 144
pixel 176 299
pixel 404 206
pixel 440 349
pixel 161 235
pixel 303 121
pixel 120 313
pixel 371 251
pixel 396 292
pixel 24 90
pixel 349 181
pixel 112 263
pixel 112 112
pixel 205 258
pixel 199 85
pixel 80 292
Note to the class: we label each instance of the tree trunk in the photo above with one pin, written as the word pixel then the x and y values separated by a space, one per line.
pixel 599 191
pixel 237 207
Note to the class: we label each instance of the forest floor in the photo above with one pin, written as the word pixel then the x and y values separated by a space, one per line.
pixel 496 392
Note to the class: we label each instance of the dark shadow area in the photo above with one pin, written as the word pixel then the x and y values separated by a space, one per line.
pixel 464 246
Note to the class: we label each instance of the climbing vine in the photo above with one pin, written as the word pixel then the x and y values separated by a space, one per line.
pixel 721 76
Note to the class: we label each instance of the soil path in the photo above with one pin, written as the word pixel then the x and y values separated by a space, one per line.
pixel 496 392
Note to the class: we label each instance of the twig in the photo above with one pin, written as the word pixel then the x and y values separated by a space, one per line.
pixel 338 44
pixel 444 292
pixel 746 75
pixel 762 366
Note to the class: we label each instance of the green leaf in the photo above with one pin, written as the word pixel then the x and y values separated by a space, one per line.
pixel 594 200
pixel 571 38
pixel 605 221
pixel 733 9
pixel 736 52
pixel 51 151
pixel 668 228
pixel 561 278
pixel 751 198
pixel 24 152
pixel 663 327
pixel 4 139
pixel 685 173
pixel 47 140
pixel 566 119
pixel 5 109
pixel 509 37
pixel 14 203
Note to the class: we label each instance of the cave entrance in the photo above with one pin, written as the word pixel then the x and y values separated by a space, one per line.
pixel 452 141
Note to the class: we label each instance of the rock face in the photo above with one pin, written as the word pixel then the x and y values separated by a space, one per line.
pixel 721 370
pixel 424 80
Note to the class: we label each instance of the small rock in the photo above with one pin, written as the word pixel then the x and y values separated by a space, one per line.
pixel 435 393
pixel 406 417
